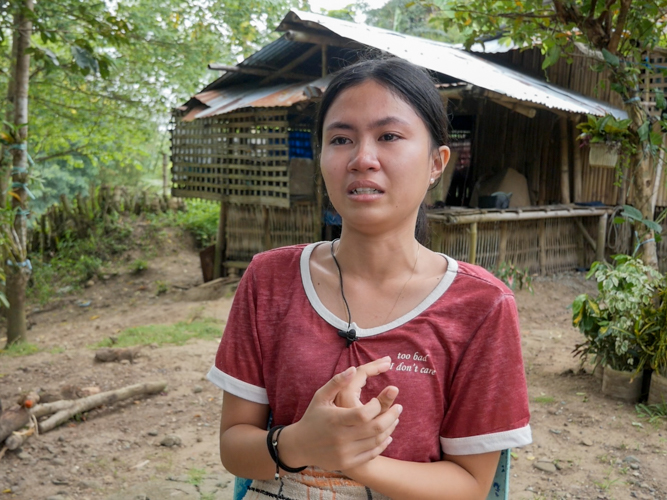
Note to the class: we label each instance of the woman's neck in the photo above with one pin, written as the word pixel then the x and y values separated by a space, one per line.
pixel 378 258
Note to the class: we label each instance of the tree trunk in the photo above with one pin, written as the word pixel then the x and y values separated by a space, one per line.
pixel 642 173
pixel 19 272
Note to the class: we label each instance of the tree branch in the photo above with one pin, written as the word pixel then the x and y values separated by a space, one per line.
pixel 620 26
pixel 62 153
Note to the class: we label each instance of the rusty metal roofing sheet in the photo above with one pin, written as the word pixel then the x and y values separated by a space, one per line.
pixel 225 100
pixel 449 60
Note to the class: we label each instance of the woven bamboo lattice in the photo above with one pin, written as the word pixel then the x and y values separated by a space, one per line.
pixel 252 229
pixel 543 246
pixel 239 157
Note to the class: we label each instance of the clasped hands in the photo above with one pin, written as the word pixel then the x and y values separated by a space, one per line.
pixel 338 431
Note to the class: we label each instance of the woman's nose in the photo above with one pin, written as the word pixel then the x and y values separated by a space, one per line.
pixel 365 157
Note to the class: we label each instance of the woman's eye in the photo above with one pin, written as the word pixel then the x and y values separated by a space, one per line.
pixel 388 137
pixel 339 140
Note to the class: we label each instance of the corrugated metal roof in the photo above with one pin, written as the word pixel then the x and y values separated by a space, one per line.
pixel 461 65
pixel 225 100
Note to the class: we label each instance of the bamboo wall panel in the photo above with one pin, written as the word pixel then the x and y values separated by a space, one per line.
pixel 530 146
pixel 599 184
pixel 240 157
pixel 252 229
pixel 561 245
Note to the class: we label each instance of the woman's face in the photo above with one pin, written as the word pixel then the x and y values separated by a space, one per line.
pixel 377 159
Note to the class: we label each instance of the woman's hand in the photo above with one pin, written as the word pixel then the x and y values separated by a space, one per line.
pixel 350 396
pixel 335 438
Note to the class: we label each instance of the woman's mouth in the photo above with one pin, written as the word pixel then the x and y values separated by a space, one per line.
pixel 365 191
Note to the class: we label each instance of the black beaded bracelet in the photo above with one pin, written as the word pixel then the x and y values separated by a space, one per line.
pixel 272 444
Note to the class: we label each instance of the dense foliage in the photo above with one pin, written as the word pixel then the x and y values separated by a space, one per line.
pixel 105 75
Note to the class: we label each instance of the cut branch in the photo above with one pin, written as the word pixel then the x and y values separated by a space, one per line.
pixel 104 398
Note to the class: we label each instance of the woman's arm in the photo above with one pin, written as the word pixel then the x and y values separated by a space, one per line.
pixel 455 478
pixel 327 436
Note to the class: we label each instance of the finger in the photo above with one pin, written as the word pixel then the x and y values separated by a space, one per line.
pixel 328 392
pixel 374 445
pixel 376 367
pixel 387 397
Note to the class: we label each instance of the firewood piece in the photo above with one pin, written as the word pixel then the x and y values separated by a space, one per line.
pixel 16 440
pixel 109 354
pixel 50 408
pixel 103 398
pixel 12 420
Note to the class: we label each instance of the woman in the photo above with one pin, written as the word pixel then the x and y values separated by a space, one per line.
pixel 340 338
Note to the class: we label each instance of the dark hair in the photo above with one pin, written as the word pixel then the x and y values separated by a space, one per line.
pixel 410 83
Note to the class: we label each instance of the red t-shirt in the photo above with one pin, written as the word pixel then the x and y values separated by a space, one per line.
pixel 456 357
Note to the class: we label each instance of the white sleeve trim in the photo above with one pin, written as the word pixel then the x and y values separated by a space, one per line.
pixel 486 443
pixel 237 387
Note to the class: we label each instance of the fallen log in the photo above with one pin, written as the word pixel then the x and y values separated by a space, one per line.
pixel 12 420
pixel 103 398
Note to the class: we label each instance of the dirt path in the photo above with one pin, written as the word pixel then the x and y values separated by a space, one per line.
pixel 590 447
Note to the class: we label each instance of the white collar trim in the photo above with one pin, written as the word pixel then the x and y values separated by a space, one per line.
pixel 336 322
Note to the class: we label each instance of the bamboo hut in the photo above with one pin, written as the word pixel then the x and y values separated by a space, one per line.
pixel 246 141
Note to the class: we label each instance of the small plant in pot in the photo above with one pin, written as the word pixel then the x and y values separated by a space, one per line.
pixel 607 138
pixel 614 323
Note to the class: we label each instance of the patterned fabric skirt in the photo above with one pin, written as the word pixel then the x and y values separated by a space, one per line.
pixel 312 484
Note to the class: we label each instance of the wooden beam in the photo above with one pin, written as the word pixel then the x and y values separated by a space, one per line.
pixel 518 215
pixel 258 71
pixel 602 237
pixel 587 236
pixel 502 246
pixel 320 39
pixel 578 164
pixel 303 57
pixel 220 240
pixel 325 61
pixel 542 245
pixel 564 163
pixel 472 251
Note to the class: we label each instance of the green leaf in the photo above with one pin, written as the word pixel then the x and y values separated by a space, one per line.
pixel 552 56
pixel 660 101
pixel 632 213
pixel 610 58
pixel 653 226
pixel 84 59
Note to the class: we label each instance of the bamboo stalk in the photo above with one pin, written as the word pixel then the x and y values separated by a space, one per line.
pixel 472 255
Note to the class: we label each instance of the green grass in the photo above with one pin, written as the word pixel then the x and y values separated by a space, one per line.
pixel 19 349
pixel 177 333
pixel 654 413
pixel 544 400
pixel 200 219
pixel 196 476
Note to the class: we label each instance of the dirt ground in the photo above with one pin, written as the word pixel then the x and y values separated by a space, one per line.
pixel 586 446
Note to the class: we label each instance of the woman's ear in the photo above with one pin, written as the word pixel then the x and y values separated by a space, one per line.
pixel 440 162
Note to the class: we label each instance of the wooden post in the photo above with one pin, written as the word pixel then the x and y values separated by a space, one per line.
pixel 578 165
pixel 437 236
pixel 325 62
pixel 602 238
pixel 472 252
pixel 564 163
pixel 165 170
pixel 502 246
pixel 542 234
pixel 220 240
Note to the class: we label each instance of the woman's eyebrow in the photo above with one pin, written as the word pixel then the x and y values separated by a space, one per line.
pixel 382 122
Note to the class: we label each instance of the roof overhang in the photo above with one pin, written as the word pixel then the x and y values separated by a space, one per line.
pixel 458 64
